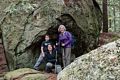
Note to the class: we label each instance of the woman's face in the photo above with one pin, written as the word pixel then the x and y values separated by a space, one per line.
pixel 50 48
pixel 62 29
pixel 47 38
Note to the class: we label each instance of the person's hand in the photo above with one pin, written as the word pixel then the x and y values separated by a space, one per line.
pixel 56 44
pixel 43 54
pixel 63 44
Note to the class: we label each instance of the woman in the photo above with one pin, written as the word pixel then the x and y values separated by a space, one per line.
pixel 65 40
pixel 49 58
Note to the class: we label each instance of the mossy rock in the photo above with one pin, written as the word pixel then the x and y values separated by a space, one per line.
pixel 25 74
pixel 35 77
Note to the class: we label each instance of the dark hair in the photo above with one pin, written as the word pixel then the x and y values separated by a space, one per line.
pixel 51 46
pixel 47 35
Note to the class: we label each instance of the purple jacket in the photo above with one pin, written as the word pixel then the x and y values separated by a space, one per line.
pixel 65 38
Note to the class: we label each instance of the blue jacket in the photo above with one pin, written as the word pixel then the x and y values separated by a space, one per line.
pixel 65 38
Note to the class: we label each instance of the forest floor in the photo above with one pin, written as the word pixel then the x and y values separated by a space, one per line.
pixel 52 76
pixel 108 37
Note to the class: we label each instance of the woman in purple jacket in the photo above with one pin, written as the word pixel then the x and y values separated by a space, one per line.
pixel 65 40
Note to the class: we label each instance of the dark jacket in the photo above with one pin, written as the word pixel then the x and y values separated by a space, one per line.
pixel 50 57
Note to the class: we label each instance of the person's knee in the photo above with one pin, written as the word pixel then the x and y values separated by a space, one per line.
pixel 49 65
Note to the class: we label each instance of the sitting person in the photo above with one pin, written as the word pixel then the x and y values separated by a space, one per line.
pixel 49 57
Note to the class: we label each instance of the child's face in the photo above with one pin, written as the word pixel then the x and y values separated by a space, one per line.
pixel 47 38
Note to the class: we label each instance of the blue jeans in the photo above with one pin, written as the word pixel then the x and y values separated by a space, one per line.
pixel 49 67
pixel 39 62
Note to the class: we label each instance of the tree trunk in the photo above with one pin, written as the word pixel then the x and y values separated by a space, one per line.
pixel 119 14
pixel 105 16
pixel 114 19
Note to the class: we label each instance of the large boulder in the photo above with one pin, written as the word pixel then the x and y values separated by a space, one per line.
pixel 26 21
pixel 27 74
pixel 102 63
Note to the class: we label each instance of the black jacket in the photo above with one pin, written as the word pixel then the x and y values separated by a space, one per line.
pixel 50 57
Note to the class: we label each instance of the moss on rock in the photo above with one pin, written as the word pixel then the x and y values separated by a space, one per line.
pixel 26 21
pixel 25 74
pixel 102 63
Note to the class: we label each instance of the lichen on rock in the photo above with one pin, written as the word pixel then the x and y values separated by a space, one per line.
pixel 25 74
pixel 102 63
pixel 26 21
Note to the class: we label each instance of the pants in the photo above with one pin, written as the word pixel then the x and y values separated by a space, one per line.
pixel 66 54
pixel 39 62
pixel 49 67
